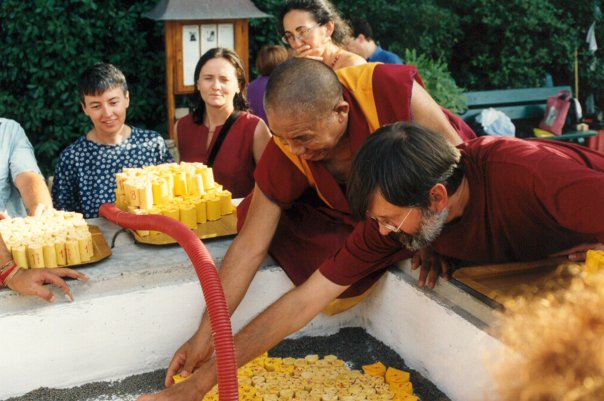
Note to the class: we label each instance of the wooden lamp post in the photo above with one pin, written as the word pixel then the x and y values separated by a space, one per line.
pixel 191 28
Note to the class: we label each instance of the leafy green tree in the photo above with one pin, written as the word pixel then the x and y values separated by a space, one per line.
pixel 46 46
pixel 513 44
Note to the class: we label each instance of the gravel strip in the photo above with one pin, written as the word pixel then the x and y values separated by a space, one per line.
pixel 352 345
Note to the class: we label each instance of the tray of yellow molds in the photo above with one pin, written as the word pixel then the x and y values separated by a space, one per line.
pixel 185 192
pixel 55 239
pixel 317 379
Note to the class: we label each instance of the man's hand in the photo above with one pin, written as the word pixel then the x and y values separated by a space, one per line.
pixel 432 266
pixel 577 253
pixel 193 389
pixel 189 357
pixel 31 282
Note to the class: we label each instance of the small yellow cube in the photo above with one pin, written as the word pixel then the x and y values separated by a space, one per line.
pixel 178 378
pixel 375 369
pixel 594 261
pixel 397 376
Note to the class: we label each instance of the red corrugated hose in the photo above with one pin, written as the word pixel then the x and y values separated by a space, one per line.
pixel 224 346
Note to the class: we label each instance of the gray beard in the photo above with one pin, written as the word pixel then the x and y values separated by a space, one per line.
pixel 431 225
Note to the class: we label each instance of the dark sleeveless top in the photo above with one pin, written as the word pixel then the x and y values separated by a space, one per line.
pixel 234 165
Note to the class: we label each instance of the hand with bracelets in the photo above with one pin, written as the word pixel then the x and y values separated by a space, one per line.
pixel 31 281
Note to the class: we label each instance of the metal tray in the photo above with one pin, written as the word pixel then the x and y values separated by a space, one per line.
pixel 225 226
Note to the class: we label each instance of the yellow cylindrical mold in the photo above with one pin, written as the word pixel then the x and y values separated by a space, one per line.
pixel 160 191
pixel 83 248
pixel 90 245
pixel 171 212
pixel 202 211
pixel 188 215
pixel 72 251
pixel 226 202
pixel 195 185
pixel 132 194
pixel 180 183
pixel 213 208
pixel 145 193
pixel 119 181
pixel 60 252
pixel 35 256
pixel 208 177
pixel 50 255
pixel 20 256
pixel 169 177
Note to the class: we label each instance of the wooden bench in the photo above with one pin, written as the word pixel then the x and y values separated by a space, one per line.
pixel 525 107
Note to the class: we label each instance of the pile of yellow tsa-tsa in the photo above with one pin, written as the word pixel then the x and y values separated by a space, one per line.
pixel 186 192
pixel 314 379
pixel 54 239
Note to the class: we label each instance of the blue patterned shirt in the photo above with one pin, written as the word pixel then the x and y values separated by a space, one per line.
pixel 85 173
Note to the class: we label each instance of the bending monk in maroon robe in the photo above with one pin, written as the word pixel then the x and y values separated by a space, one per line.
pixel 317 219
pixel 319 125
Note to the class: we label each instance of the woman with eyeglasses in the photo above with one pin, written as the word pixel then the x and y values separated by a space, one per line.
pixel 220 131
pixel 315 29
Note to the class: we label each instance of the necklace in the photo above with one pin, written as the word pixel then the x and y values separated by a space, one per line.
pixel 336 58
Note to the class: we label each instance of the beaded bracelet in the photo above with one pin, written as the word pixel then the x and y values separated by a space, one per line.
pixel 11 274
pixel 6 265
pixel 7 271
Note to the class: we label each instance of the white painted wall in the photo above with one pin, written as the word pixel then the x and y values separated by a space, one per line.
pixel 430 337
pixel 142 303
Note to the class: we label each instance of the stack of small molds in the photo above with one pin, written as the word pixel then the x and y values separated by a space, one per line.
pixel 314 379
pixel 186 192
pixel 54 239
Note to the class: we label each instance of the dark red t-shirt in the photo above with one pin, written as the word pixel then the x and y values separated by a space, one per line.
pixel 234 164
pixel 528 199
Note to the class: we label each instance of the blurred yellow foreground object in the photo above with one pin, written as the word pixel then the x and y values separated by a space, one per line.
pixel 594 262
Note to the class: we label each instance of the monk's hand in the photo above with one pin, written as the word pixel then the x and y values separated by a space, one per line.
pixel 308 52
pixel 432 265
pixel 190 356
pixel 31 282
pixel 192 389
pixel 577 253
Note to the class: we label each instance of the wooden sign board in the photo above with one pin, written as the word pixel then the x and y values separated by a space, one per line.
pixel 186 41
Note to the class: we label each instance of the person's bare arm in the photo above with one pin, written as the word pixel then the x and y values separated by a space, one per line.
pixel 261 137
pixel 426 112
pixel 288 314
pixel 34 192
pixel 241 262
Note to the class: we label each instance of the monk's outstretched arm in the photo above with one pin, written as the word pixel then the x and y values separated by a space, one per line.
pixel 240 264
pixel 288 314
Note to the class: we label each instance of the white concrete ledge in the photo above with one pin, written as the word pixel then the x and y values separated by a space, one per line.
pixel 144 301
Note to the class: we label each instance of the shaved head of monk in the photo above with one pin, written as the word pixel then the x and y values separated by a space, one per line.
pixel 302 86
